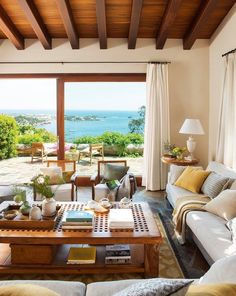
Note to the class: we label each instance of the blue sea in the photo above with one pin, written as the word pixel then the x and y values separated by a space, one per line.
pixel 108 121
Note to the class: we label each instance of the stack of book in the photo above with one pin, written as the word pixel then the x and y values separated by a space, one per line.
pixel 118 254
pixel 121 219
pixel 77 220
pixel 82 255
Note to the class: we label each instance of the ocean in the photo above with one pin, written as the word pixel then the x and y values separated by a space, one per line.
pixel 107 121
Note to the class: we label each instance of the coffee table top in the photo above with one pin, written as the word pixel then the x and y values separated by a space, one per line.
pixel 145 230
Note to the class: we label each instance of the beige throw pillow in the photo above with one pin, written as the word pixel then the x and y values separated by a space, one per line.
pixel 54 173
pixel 224 205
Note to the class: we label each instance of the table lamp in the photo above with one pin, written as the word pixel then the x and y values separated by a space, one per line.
pixel 191 127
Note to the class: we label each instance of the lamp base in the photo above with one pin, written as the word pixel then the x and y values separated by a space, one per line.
pixel 191 145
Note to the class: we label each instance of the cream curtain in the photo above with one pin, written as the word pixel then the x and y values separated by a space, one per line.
pixel 157 130
pixel 226 141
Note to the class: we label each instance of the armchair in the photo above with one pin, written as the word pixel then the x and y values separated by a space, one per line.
pixel 67 190
pixel 97 179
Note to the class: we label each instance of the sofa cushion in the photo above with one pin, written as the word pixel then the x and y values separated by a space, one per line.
pixel 26 290
pixel 212 232
pixel 54 173
pixel 60 287
pixel 175 192
pixel 192 179
pixel 212 290
pixel 176 171
pixel 231 224
pixel 224 205
pixel 112 287
pixel 214 184
pixel 153 287
pixel 222 271
pixel 114 171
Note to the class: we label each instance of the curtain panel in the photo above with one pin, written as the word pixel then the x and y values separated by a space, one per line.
pixel 226 140
pixel 157 127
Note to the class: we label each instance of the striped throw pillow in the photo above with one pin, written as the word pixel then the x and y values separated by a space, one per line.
pixel 214 184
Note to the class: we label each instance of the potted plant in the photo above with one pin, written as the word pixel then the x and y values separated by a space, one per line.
pixel 178 152
pixel 41 185
pixel 20 197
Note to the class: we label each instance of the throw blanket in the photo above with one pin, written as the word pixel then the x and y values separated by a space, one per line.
pixel 184 205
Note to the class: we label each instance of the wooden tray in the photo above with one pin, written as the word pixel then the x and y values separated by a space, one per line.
pixel 18 223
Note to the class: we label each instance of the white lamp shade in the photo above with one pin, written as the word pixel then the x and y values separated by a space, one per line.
pixel 192 127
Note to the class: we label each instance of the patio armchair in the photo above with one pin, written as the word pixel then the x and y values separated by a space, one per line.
pixel 98 182
pixel 68 190
pixel 91 150
pixel 38 152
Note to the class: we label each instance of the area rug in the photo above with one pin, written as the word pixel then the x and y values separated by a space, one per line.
pixel 168 267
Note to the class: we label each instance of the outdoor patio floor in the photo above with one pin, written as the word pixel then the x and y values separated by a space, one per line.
pixel 20 169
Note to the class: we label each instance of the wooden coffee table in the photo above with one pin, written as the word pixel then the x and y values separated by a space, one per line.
pixel 46 251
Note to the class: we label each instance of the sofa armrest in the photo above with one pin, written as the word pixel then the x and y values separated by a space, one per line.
pixel 93 178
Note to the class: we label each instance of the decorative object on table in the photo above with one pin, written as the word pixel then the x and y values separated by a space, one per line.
pixel 10 214
pixel 82 255
pixel 41 185
pixel 105 202
pixel 168 147
pixel 117 254
pixel 125 203
pixel 121 219
pixel 191 127
pixel 96 207
pixel 78 220
pixel 35 213
pixel 20 198
pixel 178 152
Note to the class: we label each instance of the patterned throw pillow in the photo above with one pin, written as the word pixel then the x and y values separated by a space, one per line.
pixel 214 184
pixel 155 287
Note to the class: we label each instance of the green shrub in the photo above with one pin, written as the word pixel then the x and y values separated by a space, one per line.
pixel 87 140
pixel 8 136
pixel 31 135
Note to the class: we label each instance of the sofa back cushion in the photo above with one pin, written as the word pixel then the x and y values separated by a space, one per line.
pixel 221 169
pixel 26 290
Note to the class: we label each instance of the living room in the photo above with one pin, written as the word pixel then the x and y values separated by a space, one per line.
pixel 106 41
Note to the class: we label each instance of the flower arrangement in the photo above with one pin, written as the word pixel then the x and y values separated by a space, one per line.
pixel 42 185
pixel 178 152
pixel 168 147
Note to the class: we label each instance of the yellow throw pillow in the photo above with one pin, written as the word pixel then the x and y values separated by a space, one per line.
pixel 192 179
pixel 211 290
pixel 26 290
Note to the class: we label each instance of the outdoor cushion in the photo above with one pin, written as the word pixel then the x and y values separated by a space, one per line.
pixel 192 179
pixel 101 191
pixel 114 172
pixel 55 174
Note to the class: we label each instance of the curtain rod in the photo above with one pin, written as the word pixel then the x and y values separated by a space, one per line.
pixel 83 62
pixel 231 51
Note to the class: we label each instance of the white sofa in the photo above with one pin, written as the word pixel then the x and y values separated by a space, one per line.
pixel 222 271
pixel 209 231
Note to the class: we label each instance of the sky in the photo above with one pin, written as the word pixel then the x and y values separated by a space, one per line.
pixel 40 94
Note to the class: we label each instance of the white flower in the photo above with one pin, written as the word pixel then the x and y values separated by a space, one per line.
pixel 40 180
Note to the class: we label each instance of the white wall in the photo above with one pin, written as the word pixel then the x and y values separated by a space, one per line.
pixel 188 72
pixel 222 41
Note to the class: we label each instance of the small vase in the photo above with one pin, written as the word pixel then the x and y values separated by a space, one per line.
pixel 49 207
pixel 35 213
pixel 25 208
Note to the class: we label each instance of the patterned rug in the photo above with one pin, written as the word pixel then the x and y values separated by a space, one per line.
pixel 168 267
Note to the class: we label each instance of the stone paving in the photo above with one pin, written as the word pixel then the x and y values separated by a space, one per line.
pixel 20 169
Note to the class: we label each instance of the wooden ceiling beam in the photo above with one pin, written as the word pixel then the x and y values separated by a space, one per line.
pixel 68 21
pixel 134 23
pixel 36 22
pixel 167 22
pixel 101 22
pixel 10 30
pixel 199 21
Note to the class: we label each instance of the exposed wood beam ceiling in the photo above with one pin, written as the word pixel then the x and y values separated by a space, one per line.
pixel 36 22
pixel 103 19
pixel 198 23
pixel 134 23
pixel 9 29
pixel 167 22
pixel 68 21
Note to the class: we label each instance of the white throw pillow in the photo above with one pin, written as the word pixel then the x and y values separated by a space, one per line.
pixel 222 271
pixel 224 205
pixel 55 174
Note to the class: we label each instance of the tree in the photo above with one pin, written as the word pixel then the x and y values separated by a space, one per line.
pixel 137 125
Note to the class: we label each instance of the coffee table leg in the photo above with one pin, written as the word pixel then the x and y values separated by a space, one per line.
pixel 151 260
